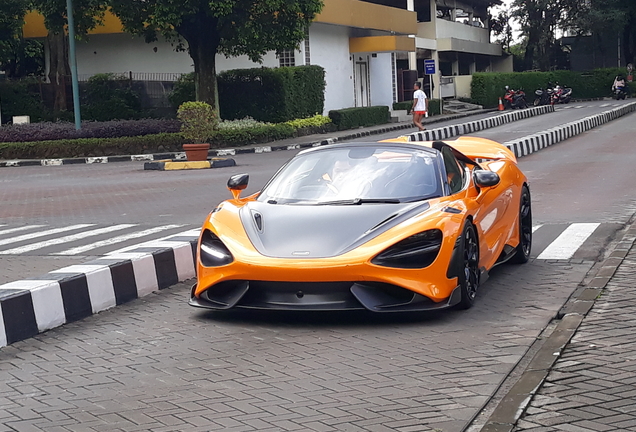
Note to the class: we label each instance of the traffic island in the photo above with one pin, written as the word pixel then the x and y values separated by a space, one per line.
pixel 172 164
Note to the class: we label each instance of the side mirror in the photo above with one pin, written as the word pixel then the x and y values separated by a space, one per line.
pixel 237 183
pixel 485 178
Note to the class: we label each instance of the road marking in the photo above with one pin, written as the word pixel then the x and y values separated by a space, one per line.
pixel 22 228
pixel 42 233
pixel 162 242
pixel 66 239
pixel 114 240
pixel 604 105
pixel 536 227
pixel 569 241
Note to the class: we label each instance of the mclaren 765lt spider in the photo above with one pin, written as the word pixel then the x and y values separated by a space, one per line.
pixel 386 226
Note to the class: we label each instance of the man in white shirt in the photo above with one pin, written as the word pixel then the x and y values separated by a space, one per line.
pixel 420 105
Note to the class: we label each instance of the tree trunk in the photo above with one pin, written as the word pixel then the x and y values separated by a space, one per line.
pixel 59 68
pixel 200 31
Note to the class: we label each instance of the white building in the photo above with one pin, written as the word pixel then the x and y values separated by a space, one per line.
pixel 362 45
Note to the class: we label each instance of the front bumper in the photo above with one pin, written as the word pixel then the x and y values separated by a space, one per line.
pixel 316 296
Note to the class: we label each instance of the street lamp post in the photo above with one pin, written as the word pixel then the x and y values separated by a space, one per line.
pixel 71 52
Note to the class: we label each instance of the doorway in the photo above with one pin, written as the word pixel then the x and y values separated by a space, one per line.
pixel 362 83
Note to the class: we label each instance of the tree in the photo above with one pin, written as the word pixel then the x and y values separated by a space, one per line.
pixel 608 19
pixel 540 21
pixel 230 27
pixel 17 56
pixel 87 15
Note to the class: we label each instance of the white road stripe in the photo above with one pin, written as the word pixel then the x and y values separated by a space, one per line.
pixel 569 241
pixel 42 233
pixel 66 239
pixel 604 105
pixel 114 240
pixel 162 242
pixel 22 228
pixel 536 227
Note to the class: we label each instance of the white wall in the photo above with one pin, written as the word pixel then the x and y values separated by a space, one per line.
pixel 121 53
pixel 329 48
pixel 381 80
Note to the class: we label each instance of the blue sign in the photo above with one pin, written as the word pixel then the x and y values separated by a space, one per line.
pixel 429 67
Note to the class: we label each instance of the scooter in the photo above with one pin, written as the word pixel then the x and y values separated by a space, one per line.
pixel 515 98
pixel 620 93
pixel 561 95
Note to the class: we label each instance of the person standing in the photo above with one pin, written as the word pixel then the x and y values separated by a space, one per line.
pixel 420 105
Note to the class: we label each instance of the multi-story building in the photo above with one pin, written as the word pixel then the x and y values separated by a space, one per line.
pixel 363 45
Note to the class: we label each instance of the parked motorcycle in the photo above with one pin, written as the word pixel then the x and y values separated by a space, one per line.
pixel 561 94
pixel 542 96
pixel 515 98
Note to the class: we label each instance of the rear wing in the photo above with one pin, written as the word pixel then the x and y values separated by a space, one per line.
pixel 474 148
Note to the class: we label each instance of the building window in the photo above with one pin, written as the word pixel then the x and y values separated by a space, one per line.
pixel 307 56
pixel 286 58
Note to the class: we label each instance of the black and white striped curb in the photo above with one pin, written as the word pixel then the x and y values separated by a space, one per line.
pixel 535 142
pixel 32 306
pixel 178 156
pixel 477 125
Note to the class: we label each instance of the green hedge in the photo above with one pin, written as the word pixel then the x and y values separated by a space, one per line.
pixel 351 118
pixel 488 87
pixel 90 147
pixel 433 106
pixel 272 95
pixel 21 98
pixel 156 143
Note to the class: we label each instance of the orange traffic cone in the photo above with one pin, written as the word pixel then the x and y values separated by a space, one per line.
pixel 501 106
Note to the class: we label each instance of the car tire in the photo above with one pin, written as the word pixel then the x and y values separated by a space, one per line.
pixel 522 254
pixel 470 273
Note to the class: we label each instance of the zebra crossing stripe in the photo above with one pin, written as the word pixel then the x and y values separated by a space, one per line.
pixel 536 227
pixel 569 241
pixel 43 233
pixel 22 228
pixel 65 239
pixel 114 240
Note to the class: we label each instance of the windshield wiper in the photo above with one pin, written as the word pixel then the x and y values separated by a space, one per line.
pixel 357 201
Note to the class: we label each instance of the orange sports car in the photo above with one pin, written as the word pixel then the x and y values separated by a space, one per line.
pixel 385 226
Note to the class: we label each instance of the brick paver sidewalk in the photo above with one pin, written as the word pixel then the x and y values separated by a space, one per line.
pixel 592 386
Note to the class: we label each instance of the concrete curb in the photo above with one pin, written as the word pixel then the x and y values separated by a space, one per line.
pixel 32 306
pixel 181 156
pixel 477 125
pixel 515 402
pixel 532 143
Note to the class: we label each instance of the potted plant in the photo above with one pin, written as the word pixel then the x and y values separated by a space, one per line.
pixel 198 122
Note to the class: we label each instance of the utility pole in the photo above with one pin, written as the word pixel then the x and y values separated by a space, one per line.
pixel 71 53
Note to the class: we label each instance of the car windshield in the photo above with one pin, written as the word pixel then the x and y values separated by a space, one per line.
pixel 356 175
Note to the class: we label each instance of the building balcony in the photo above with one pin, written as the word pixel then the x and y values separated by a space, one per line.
pixel 457 36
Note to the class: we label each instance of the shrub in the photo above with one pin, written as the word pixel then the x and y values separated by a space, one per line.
pixel 89 147
pixel 198 121
pixel 486 88
pixel 350 118
pixel 272 95
pixel 183 90
pixel 107 97
pixel 317 120
pixel 263 133
pixel 45 131
pixel 21 98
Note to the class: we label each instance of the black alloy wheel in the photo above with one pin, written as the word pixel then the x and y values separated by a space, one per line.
pixel 470 275
pixel 525 228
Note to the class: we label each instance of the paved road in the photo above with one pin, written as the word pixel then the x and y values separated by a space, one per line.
pixel 156 364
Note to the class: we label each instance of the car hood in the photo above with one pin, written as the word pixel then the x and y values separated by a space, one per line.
pixel 319 231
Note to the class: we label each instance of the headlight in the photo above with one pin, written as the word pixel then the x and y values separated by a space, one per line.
pixel 416 251
pixel 213 252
